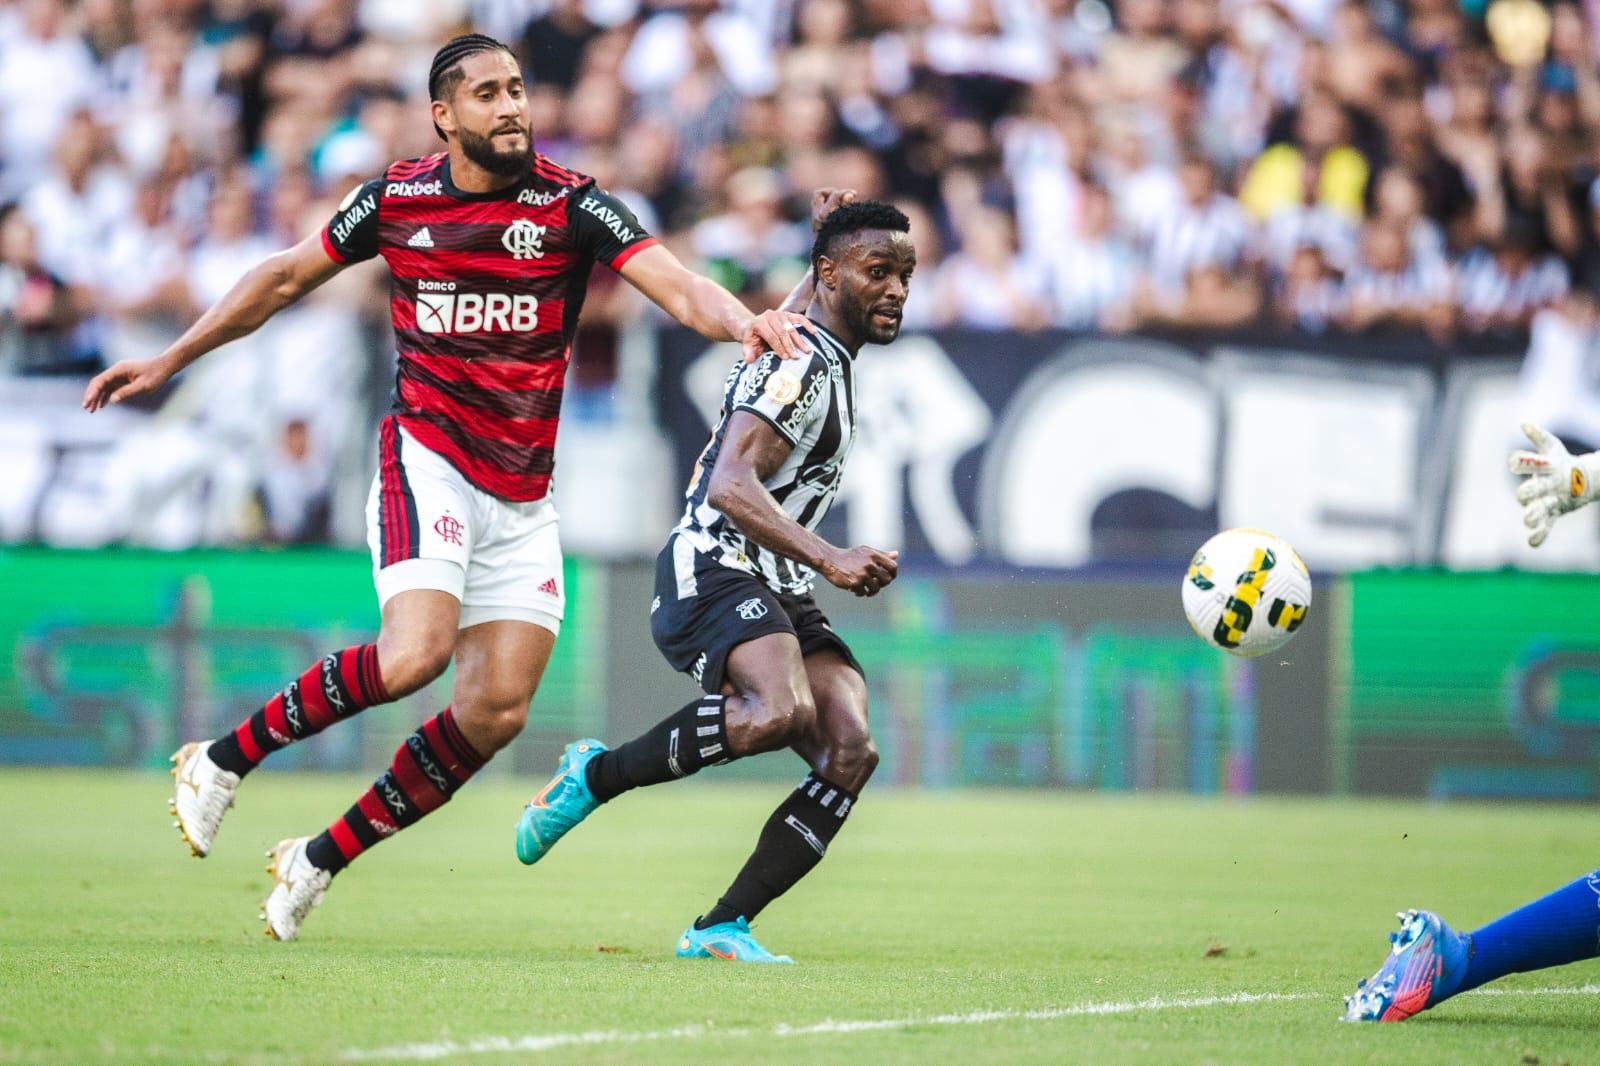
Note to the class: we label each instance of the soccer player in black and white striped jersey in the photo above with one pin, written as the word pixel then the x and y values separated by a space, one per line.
pixel 733 605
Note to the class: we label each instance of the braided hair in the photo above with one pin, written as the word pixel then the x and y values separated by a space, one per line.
pixel 446 75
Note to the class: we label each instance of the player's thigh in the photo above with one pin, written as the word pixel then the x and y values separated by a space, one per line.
pixel 417 638
pixel 499 666
pixel 840 746
pixel 770 702
pixel 840 693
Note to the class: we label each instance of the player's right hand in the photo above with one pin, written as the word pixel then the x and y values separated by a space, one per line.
pixel 825 202
pixel 123 380
pixel 864 571
pixel 1557 481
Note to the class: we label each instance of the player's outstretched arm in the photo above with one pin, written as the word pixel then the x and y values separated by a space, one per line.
pixel 269 287
pixel 752 451
pixel 714 312
pixel 1556 481
pixel 709 309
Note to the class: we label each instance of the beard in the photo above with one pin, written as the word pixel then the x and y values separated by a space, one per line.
pixel 873 330
pixel 507 164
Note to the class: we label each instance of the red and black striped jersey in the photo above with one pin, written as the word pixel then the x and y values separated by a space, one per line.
pixel 485 295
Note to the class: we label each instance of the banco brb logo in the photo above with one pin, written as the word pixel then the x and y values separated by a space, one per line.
pixel 476 312
pixel 524 240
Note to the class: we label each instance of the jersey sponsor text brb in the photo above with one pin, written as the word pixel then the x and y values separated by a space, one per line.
pixel 485 294
pixel 810 402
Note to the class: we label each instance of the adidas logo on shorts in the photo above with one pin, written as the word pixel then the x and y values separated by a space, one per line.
pixel 549 587
pixel 421 239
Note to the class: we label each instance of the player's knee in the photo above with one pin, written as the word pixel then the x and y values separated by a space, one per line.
pixel 852 758
pixel 499 726
pixel 797 717
pixel 410 663
pixel 775 718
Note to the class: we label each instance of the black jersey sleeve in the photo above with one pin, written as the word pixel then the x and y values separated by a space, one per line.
pixel 784 393
pixel 605 230
pixel 351 236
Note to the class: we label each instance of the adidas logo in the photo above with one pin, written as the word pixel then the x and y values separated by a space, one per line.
pixel 549 587
pixel 421 239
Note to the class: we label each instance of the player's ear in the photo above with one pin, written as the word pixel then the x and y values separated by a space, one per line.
pixel 444 119
pixel 827 272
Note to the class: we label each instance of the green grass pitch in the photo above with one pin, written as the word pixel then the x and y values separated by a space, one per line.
pixel 115 943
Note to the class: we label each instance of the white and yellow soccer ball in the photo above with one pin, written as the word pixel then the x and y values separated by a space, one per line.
pixel 1246 592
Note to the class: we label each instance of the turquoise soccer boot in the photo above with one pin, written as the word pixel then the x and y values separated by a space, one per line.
pixel 563 802
pixel 730 941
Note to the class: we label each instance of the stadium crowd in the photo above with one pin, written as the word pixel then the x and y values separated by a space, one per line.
pixel 1311 164
pixel 1316 166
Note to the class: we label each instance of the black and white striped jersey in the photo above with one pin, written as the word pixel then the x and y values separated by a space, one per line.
pixel 811 403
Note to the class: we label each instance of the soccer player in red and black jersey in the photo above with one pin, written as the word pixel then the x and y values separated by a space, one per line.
pixel 490 245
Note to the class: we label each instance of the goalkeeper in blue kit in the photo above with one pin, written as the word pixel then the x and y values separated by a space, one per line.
pixel 1428 961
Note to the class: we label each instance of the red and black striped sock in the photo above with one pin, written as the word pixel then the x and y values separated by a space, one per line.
pixel 342 684
pixel 427 769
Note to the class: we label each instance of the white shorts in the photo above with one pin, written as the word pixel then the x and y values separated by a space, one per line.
pixel 431 528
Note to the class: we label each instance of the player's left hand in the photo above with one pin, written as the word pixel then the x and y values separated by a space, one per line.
pixel 777 331
pixel 1557 481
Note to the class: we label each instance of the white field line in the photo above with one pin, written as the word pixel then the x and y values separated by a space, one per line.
pixel 550 1041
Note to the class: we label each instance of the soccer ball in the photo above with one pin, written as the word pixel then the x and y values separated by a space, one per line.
pixel 1246 592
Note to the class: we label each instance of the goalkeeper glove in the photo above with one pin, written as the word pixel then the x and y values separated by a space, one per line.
pixel 1557 481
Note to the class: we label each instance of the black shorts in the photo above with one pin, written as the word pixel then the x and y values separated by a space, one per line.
pixel 723 608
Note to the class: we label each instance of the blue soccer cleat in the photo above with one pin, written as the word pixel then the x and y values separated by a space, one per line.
pixel 726 940
pixel 563 802
pixel 1426 962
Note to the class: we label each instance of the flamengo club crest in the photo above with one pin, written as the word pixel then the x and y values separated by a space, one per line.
pixel 523 239
pixel 449 529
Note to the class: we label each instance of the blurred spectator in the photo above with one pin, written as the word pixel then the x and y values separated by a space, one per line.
pixel 986 285
pixel 678 39
pixel 74 206
pixel 36 310
pixel 920 302
pixel 1368 67
pixel 1530 194
pixel 553 44
pixel 1398 205
pixel 230 247
pixel 1210 298
pixel 46 74
pixel 1316 164
pixel 1392 287
pixel 752 249
pixel 141 286
pixel 1500 288
pixel 1309 295
pixel 1560 383
pixel 1090 275
pixel 295 490
pixel 1206 228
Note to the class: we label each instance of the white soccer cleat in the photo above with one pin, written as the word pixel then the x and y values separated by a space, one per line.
pixel 297 886
pixel 202 795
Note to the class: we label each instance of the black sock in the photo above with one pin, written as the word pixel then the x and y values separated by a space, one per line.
pixel 678 746
pixel 793 841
